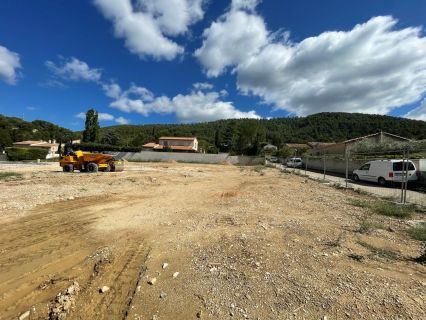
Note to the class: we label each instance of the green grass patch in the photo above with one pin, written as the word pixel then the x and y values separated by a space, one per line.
pixel 359 203
pixel 360 191
pixel 382 253
pixel 10 175
pixel 418 232
pixel 386 208
pixel 368 226
pixel 393 210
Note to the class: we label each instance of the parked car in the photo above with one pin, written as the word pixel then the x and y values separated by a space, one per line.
pixel 385 171
pixel 272 159
pixel 294 163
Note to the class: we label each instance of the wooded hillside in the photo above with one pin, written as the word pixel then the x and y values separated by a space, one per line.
pixel 15 129
pixel 246 135
pixel 236 136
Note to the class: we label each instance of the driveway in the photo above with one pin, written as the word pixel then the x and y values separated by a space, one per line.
pixel 384 192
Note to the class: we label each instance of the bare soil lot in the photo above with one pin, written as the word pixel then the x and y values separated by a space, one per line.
pixel 181 241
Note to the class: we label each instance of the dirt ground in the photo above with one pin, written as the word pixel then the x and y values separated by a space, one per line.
pixel 186 241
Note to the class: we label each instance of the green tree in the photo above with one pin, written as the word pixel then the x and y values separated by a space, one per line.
pixel 111 138
pixel 284 152
pixel 140 139
pixel 5 139
pixel 91 131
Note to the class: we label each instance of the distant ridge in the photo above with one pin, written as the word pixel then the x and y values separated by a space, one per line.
pixel 324 127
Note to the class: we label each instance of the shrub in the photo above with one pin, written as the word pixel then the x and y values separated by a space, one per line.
pixel 19 154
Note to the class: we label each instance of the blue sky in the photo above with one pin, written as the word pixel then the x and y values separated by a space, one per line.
pixel 174 61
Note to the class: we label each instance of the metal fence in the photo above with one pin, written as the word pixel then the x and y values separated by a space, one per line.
pixel 338 169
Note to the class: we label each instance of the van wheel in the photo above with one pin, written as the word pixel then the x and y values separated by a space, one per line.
pixel 355 177
pixel 92 167
pixel 382 182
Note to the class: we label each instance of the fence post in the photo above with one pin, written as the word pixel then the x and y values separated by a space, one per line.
pixel 347 169
pixel 294 156
pixel 306 164
pixel 403 177
pixel 324 166
pixel 406 176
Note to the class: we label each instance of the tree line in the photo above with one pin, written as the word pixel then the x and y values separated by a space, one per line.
pixel 236 136
pixel 248 136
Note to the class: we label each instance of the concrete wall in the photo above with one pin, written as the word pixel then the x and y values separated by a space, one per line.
pixel 331 165
pixel 149 156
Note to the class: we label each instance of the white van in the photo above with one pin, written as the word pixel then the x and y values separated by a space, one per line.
pixel 384 171
pixel 295 163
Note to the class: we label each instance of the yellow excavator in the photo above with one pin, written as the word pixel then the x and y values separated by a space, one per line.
pixel 90 162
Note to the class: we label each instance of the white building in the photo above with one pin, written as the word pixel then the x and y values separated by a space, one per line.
pixel 52 146
pixel 178 144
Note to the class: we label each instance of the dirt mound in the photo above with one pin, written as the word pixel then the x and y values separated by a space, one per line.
pixel 226 163
pixel 63 303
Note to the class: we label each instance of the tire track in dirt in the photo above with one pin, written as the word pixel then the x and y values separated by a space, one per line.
pixel 42 252
pixel 122 275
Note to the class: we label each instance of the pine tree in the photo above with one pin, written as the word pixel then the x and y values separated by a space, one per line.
pixel 91 130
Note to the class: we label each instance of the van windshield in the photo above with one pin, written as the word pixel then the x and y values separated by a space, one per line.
pixel 398 166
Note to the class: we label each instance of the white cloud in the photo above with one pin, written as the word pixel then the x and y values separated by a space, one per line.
pixel 373 68
pixel 235 37
pixel 146 25
pixel 104 117
pixel 196 106
pixel 418 113
pixel 74 70
pixel 9 65
pixel 121 120
pixel 111 90
pixel 202 86
pixel 81 115
pixel 141 92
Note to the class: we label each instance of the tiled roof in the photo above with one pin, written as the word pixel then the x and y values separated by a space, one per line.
pixel 28 142
pixel 376 134
pixel 32 143
pixel 150 145
pixel 178 138
pixel 298 145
